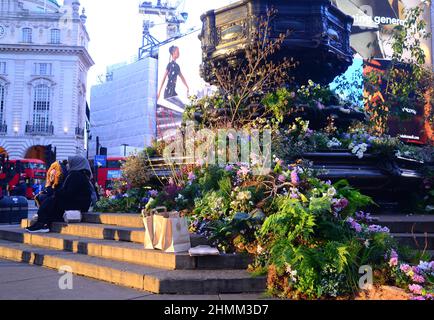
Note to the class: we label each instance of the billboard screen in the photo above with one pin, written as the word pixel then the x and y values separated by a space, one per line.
pixel 373 22
pixel 371 40
pixel 178 78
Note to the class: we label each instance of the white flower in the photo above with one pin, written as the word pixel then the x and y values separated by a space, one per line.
pixel 367 243
pixel 331 192
pixel 334 143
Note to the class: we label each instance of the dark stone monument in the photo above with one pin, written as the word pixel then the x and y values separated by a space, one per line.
pixel 319 40
pixel 319 36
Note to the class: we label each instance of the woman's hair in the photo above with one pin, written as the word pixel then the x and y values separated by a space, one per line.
pixel 58 175
pixel 172 50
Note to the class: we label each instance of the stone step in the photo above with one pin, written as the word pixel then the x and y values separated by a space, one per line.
pixel 107 232
pixel 134 276
pixel 124 251
pixel 116 219
pixel 407 223
pixel 420 241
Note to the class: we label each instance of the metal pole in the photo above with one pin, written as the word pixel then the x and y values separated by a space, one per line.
pixel 97 146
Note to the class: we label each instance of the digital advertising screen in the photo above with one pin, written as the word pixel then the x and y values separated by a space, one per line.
pixel 371 39
pixel 178 79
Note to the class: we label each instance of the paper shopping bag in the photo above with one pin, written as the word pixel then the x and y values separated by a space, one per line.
pixel 148 222
pixel 159 226
pixel 177 238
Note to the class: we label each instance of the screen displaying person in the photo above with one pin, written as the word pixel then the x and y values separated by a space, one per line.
pixel 173 71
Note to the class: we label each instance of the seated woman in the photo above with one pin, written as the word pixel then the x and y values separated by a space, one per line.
pixel 75 194
pixel 55 177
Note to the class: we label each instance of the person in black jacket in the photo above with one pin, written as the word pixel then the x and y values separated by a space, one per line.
pixel 75 194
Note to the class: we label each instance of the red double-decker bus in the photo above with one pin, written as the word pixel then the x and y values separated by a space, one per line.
pixel 109 173
pixel 28 170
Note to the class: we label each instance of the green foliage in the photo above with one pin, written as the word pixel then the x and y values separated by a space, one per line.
pixel 292 221
pixel 356 200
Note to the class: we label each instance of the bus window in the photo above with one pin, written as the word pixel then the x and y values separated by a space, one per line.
pixel 114 164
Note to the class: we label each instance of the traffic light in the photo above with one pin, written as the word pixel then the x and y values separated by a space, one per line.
pixel 103 151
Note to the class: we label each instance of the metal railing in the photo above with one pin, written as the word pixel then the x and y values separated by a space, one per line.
pixel 39 130
pixel 79 132
pixel 3 128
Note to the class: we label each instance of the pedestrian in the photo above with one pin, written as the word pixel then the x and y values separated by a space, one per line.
pixel 20 190
pixel 75 194
pixel 54 180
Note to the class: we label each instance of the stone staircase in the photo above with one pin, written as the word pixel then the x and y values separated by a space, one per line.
pixel 109 247
pixel 416 231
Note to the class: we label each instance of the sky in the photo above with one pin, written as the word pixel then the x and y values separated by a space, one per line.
pixel 115 29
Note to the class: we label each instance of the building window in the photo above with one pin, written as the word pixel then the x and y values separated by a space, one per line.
pixel 27 35
pixel 41 108
pixel 43 69
pixel 2 102
pixel 55 36
pixel 2 67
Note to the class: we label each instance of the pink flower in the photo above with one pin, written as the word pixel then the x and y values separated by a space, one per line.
pixel 418 298
pixel 415 288
pixel 418 278
pixel 281 178
pixel 405 268
pixel 244 171
pixel 393 262
pixel 191 176
pixel 295 179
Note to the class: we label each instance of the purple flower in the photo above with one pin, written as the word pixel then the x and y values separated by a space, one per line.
pixel 153 193
pixel 295 179
pixel 229 168
pixel 415 288
pixel 355 225
pixel 340 204
pixel 309 133
pixel 378 229
pixel 294 195
pixel 281 178
pixel 344 203
pixel 191 176
pixel 418 298
pixel 362 216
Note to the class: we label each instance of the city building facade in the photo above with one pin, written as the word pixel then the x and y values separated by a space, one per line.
pixel 44 62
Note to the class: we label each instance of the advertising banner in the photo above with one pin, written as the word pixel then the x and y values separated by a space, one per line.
pixel 373 23
pixel 178 78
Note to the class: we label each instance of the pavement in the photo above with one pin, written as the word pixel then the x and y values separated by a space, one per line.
pixel 19 281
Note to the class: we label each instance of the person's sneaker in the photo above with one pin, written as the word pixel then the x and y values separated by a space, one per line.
pixel 38 228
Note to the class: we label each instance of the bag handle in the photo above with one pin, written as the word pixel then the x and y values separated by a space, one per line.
pixel 159 210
